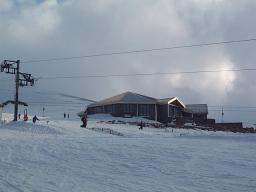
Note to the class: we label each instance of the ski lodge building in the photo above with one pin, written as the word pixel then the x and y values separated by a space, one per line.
pixel 167 110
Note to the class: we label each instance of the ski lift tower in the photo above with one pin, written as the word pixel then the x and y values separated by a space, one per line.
pixel 21 80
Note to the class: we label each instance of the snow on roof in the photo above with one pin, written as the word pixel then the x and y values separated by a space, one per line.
pixel 135 98
pixel 127 97
pixel 170 100
pixel 197 108
pixel 164 101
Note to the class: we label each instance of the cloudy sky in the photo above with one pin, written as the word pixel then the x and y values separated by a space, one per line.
pixel 38 29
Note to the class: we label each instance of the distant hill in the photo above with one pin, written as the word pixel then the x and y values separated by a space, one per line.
pixel 75 97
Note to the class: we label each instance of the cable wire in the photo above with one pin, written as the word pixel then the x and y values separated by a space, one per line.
pixel 139 51
pixel 146 74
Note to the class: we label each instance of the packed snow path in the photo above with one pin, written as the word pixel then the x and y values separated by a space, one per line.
pixel 61 156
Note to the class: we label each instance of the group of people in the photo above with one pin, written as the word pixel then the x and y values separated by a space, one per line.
pixel 83 119
pixel 25 117
pixel 66 115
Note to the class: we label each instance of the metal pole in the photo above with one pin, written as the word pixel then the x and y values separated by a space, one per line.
pixel 156 112
pixel 17 91
pixel 222 115
pixel 43 111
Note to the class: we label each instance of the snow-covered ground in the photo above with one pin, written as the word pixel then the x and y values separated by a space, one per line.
pixel 57 155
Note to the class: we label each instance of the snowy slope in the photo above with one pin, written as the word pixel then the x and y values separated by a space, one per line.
pixel 56 154
pixel 52 106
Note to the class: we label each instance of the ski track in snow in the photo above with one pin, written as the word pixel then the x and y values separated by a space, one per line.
pixel 61 156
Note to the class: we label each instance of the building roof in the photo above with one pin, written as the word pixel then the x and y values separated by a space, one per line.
pixel 135 98
pixel 127 97
pixel 197 108
pixel 172 100
pixel 164 101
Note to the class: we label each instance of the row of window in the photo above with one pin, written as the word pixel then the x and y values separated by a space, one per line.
pixel 143 110
pixel 146 110
pixel 109 109
pixel 130 108
pixel 100 109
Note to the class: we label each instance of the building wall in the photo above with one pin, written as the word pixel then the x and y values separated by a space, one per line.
pixel 130 109
pixel 109 109
pixel 174 111
pixel 122 110
pixel 229 126
pixel 144 110
pixel 147 111
pixel 162 113
pixel 118 110
pixel 164 116
pixel 200 119
pixel 95 110
pixel 1 111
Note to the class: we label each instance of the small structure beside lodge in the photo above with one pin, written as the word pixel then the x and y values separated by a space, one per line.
pixel 167 110
pixel 199 113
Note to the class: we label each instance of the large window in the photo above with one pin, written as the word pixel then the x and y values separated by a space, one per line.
pixel 130 108
pixel 109 108
pixel 146 110
pixel 98 109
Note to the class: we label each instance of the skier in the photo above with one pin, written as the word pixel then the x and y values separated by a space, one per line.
pixel 25 117
pixel 19 115
pixel 84 119
pixel 141 125
pixel 35 119
pixel 64 115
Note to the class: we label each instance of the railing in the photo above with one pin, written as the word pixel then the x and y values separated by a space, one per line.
pixel 106 131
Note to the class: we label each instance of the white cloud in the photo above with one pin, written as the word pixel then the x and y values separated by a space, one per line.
pixel 212 86
pixel 28 22
pixel 5 5
pixel 221 82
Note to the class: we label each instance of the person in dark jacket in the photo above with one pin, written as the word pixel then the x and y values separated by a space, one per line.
pixel 84 119
pixel 35 119
pixel 141 125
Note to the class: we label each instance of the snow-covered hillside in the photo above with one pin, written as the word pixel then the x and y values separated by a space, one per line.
pixel 55 154
pixel 52 105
